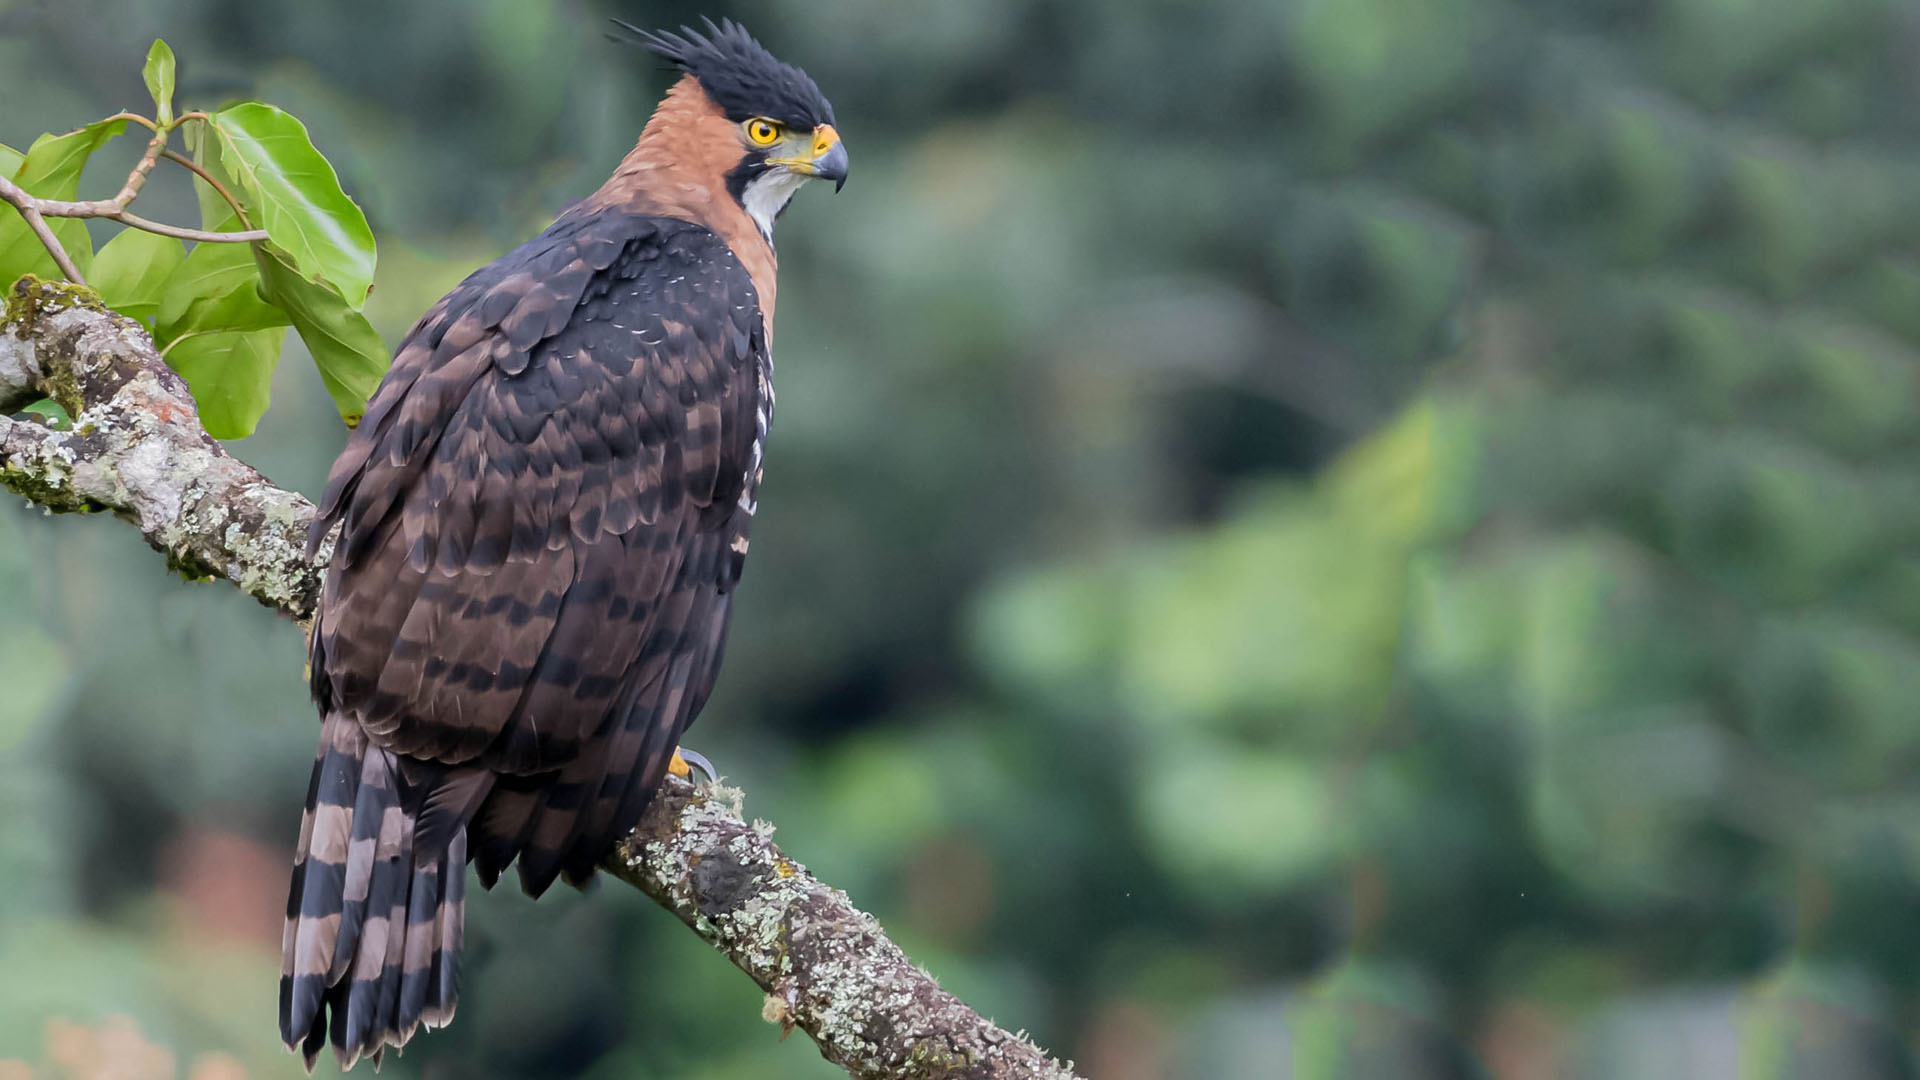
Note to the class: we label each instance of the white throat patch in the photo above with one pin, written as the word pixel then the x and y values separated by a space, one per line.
pixel 767 194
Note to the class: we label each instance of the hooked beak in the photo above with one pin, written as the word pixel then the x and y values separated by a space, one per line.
pixel 827 161
pixel 832 165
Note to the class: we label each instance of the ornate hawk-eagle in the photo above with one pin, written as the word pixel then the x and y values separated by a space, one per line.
pixel 541 522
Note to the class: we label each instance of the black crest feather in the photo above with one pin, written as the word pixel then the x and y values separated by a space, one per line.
pixel 738 73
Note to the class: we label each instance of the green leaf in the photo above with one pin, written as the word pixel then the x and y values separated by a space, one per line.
pixel 10 160
pixel 53 162
pixel 215 214
pixel 230 374
pixel 224 303
pixel 292 192
pixel 159 76
pixel 51 170
pixel 346 348
pixel 132 270
pixel 51 409
pixel 217 288
pixel 215 328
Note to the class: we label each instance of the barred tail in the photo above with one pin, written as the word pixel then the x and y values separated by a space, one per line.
pixel 377 906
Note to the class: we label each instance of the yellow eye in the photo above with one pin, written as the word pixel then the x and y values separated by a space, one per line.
pixel 762 131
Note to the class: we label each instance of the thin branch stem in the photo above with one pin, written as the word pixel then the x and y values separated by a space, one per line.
pixel 136 118
pixel 212 182
pixel 137 179
pixel 126 217
pixel 12 193
pixel 108 209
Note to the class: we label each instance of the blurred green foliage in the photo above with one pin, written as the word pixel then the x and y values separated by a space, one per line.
pixel 1328 539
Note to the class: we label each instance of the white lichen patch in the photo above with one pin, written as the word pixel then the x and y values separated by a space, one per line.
pixel 19 366
pixel 146 469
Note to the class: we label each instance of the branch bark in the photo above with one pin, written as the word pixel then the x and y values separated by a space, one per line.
pixel 136 448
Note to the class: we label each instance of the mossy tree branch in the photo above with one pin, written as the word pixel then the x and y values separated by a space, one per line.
pixel 136 448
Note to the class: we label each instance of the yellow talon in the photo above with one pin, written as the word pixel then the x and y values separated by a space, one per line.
pixel 679 767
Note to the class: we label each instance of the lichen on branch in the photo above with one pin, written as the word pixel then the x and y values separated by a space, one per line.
pixel 827 967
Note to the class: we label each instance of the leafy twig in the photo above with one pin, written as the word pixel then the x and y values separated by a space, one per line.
pixel 35 209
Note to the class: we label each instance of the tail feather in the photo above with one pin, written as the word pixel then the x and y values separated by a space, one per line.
pixel 431 965
pixel 314 901
pixel 382 933
pixel 498 831
pixel 450 928
pixel 375 830
pixel 374 922
pixel 419 939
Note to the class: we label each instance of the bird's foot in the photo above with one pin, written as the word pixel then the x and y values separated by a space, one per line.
pixel 685 761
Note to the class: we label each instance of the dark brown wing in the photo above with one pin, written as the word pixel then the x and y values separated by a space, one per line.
pixel 541 518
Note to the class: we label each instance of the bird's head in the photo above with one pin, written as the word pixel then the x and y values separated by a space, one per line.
pixel 778 131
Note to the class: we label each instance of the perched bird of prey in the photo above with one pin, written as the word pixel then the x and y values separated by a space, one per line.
pixel 541 521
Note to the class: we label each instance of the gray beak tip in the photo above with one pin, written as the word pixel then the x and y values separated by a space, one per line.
pixel 832 165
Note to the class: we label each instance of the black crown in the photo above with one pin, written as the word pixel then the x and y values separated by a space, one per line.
pixel 738 73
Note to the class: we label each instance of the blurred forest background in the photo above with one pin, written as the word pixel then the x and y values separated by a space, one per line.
pixel 1333 538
